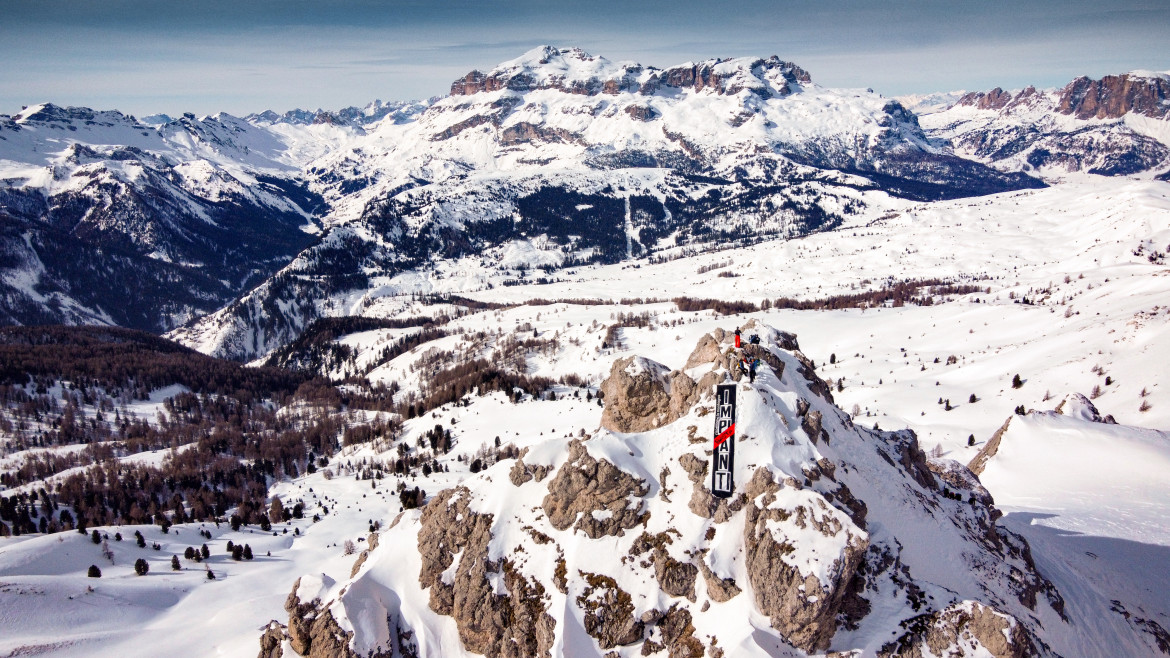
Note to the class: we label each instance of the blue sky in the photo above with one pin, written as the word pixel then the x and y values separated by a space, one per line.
pixel 241 56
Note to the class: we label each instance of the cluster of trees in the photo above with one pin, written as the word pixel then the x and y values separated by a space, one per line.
pixel 234 441
pixel 445 386
pixel 918 292
pixel 123 359
pixel 612 333
pixel 315 350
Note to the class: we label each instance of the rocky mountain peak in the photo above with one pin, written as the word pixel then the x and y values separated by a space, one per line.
pixel 1114 96
pixel 575 71
pixel 50 114
pixel 612 539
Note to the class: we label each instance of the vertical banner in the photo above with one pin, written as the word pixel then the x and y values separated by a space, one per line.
pixel 722 482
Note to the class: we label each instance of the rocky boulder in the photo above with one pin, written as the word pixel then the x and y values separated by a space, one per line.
pixel 594 496
pixel 965 628
pixel 801 554
pixel 609 612
pixel 312 630
pixel 642 395
pixel 512 624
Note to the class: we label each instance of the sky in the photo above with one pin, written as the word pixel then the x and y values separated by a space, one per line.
pixel 243 56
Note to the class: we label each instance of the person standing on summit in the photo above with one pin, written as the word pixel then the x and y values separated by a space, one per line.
pixel 738 345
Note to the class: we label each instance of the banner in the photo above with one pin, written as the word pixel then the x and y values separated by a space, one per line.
pixel 723 461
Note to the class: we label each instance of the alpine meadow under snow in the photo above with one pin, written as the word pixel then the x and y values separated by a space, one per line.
pixel 437 378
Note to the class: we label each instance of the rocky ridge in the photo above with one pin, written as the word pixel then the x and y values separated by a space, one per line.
pixel 826 525
pixel 1112 126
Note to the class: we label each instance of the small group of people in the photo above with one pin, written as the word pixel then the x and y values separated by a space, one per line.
pixel 748 364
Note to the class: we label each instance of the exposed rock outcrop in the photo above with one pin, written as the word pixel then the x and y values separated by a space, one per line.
pixel 1114 96
pixel 515 624
pixel 674 577
pixel 641 112
pixel 594 496
pixel 641 395
pixel 522 472
pixel 272 641
pixel 371 544
pixel 968 627
pixel 979 461
pixel 312 630
pixel 703 503
pixel 609 612
pixel 802 604
pixel 524 132
pixel 719 589
pixel 815 383
pixel 679 634
pixel 960 478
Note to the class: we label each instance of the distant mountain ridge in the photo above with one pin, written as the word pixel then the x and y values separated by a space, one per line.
pixel 1117 125
pixel 554 159
pixel 559 158
pixel 183 217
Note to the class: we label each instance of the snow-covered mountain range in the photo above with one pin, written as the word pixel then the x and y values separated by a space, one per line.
pixel 109 220
pixel 1113 126
pixel 553 159
pixel 516 301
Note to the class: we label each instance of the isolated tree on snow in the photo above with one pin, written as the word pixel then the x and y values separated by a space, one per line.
pixel 1016 381
pixel 238 553
pixel 247 552
pixel 95 537
pixel 971 440
pixel 141 540
pixel 972 399
pixel 276 510
pixel 205 552
pixel 175 566
pixel 94 572
pixel 141 567
pixel 231 546
pixel 189 553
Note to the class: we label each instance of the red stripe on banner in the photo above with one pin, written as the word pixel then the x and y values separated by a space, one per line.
pixel 725 435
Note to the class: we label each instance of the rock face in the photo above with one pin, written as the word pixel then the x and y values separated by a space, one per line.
pixel 312 630
pixel 967 627
pixel 1031 130
pixel 721 590
pixel 593 496
pixel 609 612
pixel 778 534
pixel 1111 97
pixel 979 461
pixel 642 395
pixel 703 503
pixel 1114 96
pixel 674 577
pixel 572 71
pixel 516 624
pixel 272 642
pixel 522 472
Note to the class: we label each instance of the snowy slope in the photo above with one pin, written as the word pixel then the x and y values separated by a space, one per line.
pixel 1090 496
